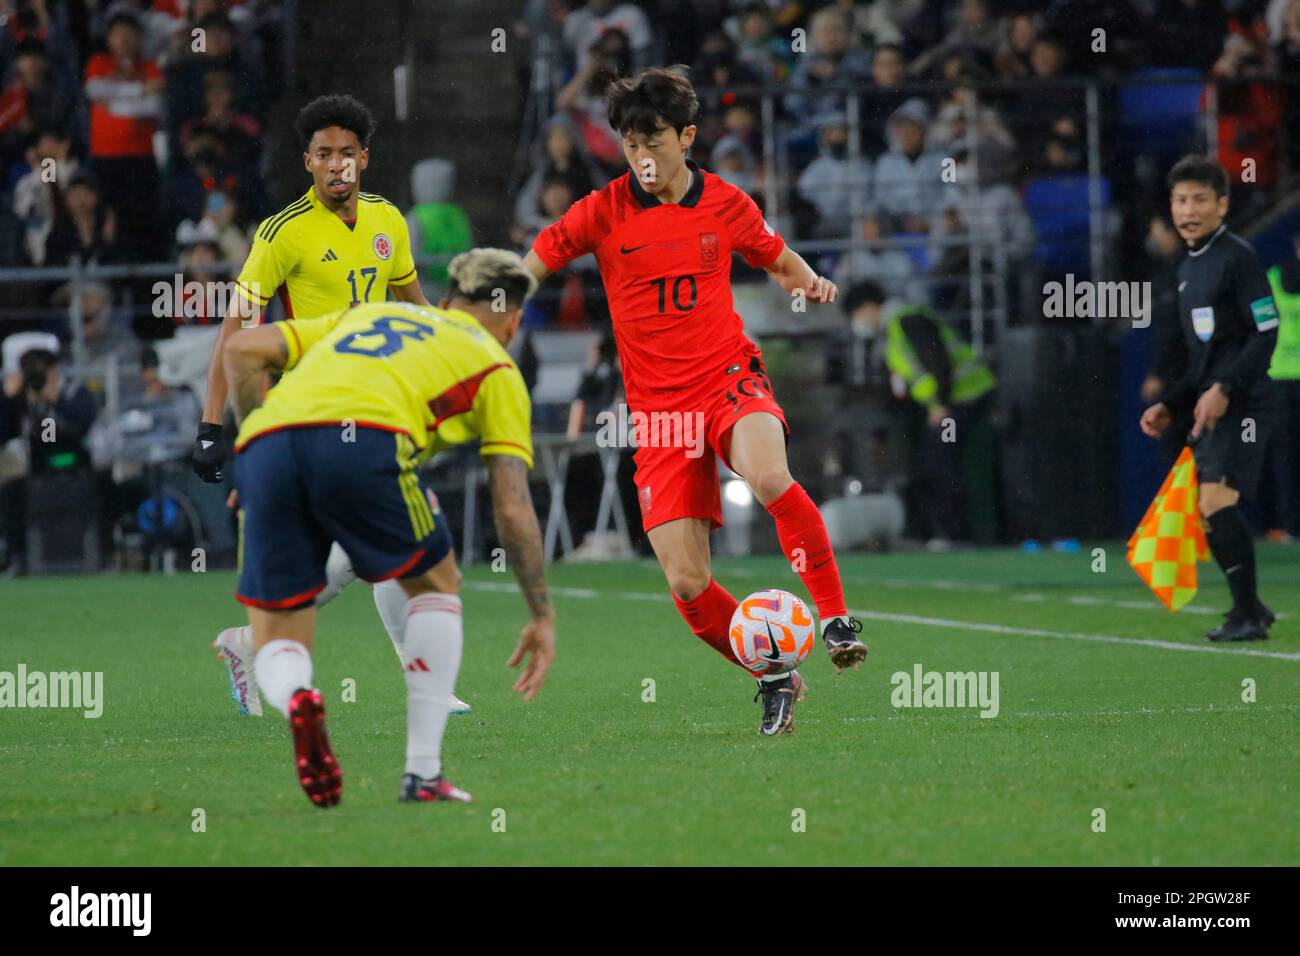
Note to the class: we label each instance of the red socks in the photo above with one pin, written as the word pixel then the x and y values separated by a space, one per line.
pixel 709 616
pixel 802 533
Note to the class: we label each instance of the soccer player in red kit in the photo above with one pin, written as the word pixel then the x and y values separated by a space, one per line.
pixel 663 236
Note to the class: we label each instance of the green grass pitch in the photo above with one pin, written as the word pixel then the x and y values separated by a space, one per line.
pixel 590 773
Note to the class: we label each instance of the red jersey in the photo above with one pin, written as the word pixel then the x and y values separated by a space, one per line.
pixel 122 118
pixel 667 274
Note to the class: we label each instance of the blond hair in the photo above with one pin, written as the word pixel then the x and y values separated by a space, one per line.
pixel 477 276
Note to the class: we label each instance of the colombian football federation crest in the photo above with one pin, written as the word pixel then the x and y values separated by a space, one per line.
pixel 383 247
pixel 708 249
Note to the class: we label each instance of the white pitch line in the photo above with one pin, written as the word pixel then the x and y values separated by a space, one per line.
pixel 911 714
pixel 1068 635
pixel 588 593
pixel 1012 592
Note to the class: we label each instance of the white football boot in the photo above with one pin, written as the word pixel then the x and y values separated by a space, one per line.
pixel 235 649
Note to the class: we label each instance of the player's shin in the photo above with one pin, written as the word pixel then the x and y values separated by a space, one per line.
pixel 283 666
pixel 1234 550
pixel 708 615
pixel 390 602
pixel 431 661
pixel 806 545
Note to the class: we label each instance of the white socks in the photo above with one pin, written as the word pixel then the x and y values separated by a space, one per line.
pixel 282 667
pixel 338 575
pixel 431 660
pixel 391 601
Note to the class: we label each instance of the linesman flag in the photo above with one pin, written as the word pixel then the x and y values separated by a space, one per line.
pixel 1169 539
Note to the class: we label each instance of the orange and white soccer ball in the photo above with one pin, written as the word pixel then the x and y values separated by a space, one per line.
pixel 771 632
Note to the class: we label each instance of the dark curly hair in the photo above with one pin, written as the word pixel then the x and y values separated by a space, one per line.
pixel 336 109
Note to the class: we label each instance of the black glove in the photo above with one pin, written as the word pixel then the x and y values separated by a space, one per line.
pixel 209 453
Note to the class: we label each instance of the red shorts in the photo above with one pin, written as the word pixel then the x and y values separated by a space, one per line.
pixel 677 451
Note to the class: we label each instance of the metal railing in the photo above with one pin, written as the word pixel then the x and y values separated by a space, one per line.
pixel 989 301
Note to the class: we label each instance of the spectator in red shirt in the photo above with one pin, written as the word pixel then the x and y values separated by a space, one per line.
pixel 125 94
pixel 1249 117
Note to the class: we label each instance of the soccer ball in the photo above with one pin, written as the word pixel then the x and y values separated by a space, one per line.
pixel 771 632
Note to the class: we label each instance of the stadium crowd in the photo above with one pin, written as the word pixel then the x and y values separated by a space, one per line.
pixel 132 131
pixel 973 74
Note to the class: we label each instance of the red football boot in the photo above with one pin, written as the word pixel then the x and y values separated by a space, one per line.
pixel 318 771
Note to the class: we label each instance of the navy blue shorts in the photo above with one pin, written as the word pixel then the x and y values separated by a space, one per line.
pixel 302 488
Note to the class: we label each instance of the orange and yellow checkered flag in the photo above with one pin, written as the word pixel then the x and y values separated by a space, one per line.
pixel 1169 539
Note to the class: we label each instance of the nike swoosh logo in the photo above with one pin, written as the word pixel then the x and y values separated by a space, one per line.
pixel 822 565
pixel 625 250
pixel 776 651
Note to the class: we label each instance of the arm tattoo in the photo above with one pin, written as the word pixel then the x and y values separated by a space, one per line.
pixel 516 521
pixel 246 390
pixel 247 379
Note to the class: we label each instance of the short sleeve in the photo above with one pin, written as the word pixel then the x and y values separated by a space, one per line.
pixel 753 238
pixel 264 270
pixel 403 262
pixel 301 334
pixel 505 416
pixel 573 235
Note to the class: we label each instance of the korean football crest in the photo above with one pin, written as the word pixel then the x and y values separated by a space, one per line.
pixel 708 249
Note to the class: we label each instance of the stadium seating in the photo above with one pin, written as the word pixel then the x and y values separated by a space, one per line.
pixel 1159 109
pixel 1059 208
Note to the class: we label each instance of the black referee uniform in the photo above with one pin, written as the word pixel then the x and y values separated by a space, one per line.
pixel 1230 325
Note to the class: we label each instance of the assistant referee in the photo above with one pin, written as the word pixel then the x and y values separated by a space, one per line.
pixel 1230 322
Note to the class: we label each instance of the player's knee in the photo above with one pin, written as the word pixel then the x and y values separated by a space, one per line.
pixel 338 575
pixel 445 576
pixel 1215 497
pixel 688 583
pixel 770 484
pixel 453 579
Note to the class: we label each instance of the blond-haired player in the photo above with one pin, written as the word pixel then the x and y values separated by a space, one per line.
pixel 331 455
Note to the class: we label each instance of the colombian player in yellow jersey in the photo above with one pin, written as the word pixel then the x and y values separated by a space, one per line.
pixel 331 248
pixel 330 455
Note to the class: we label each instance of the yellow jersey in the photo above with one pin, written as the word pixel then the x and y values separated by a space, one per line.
pixel 315 263
pixel 435 375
